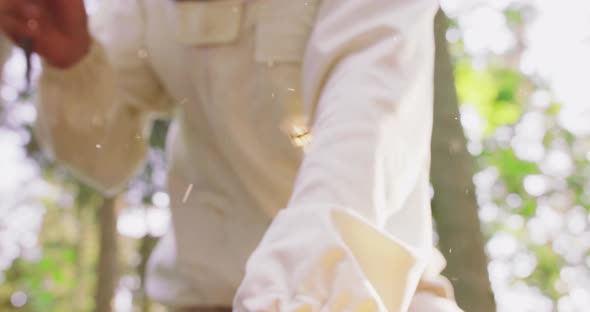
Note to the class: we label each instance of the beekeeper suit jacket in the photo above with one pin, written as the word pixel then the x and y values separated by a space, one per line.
pixel 342 224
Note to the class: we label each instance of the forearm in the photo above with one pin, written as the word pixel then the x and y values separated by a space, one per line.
pixel 356 234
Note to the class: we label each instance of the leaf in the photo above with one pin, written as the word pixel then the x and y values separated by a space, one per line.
pixel 528 208
pixel 494 92
pixel 70 255
pixel 512 169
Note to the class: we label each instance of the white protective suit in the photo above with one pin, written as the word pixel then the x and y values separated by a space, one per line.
pixel 345 226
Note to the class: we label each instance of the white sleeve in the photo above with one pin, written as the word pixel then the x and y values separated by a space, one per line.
pixel 368 79
pixel 94 117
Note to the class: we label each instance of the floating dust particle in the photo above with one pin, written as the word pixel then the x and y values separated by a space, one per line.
pixel 189 189
pixel 142 53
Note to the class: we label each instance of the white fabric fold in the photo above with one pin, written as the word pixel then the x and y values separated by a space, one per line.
pixel 336 261
pixel 368 83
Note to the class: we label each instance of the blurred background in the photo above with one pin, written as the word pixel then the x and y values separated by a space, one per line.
pixel 511 157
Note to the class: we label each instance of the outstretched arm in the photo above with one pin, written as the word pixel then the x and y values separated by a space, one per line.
pixel 348 240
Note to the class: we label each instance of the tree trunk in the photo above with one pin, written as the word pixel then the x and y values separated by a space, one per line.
pixel 145 250
pixel 455 207
pixel 5 48
pixel 107 261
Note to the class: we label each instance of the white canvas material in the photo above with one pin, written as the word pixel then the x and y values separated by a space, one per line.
pixel 257 223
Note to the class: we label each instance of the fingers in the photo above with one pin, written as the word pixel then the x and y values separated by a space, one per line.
pixel 57 28
pixel 19 18
pixel 439 286
pixel 16 28
pixel 19 8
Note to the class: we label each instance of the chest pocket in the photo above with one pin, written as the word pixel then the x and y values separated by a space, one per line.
pixel 206 23
pixel 283 28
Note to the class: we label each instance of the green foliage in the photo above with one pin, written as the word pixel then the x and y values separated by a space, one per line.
pixel 501 96
pixel 512 169
pixel 514 16
pixel 547 272
pixel 61 273
pixel 493 91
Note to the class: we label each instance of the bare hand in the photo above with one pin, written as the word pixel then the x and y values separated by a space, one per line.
pixel 58 28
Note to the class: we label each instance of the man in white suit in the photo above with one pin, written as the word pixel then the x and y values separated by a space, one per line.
pixel 299 153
